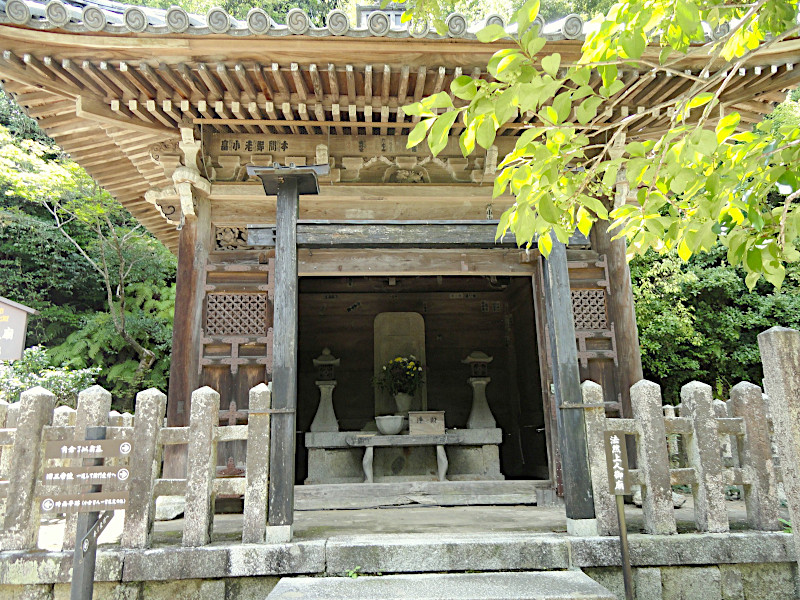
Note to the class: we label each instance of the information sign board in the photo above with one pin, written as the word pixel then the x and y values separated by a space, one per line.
pixel 78 503
pixel 96 475
pixel 88 449
pixel 619 480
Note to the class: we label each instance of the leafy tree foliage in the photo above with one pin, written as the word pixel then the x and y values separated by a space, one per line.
pixel 104 287
pixel 698 319
pixel 317 10
pixel 703 181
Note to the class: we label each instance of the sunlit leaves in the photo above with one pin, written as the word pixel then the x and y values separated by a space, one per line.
pixel 491 33
pixel 705 180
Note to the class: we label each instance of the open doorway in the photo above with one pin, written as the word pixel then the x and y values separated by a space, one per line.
pixel 462 314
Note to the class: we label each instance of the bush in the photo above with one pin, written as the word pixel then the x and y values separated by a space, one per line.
pixel 35 369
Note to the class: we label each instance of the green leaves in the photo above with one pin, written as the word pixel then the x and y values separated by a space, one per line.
pixel 700 100
pixel 419 132
pixel 437 139
pixel 695 184
pixel 491 33
pixel 551 63
pixel 726 126
pixel 526 15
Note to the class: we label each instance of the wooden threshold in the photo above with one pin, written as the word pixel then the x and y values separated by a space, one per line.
pixel 352 496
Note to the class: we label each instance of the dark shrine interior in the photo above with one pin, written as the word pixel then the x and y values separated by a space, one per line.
pixel 494 315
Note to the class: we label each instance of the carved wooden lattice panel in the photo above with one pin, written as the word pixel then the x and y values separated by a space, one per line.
pixel 589 309
pixel 236 314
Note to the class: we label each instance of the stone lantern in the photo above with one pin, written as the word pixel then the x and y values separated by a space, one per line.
pixel 325 419
pixel 480 416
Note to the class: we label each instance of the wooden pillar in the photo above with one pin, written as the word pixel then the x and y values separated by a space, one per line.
pixel 622 312
pixel 566 378
pixel 184 378
pixel 284 365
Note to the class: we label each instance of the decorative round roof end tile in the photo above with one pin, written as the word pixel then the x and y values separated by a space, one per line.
pixel 495 19
pixel 418 28
pixel 572 27
pixel 297 21
pixel 338 23
pixel 258 21
pixel 18 12
pixel 378 23
pixel 539 22
pixel 135 19
pixel 218 20
pixel 57 13
pixel 456 25
pixel 720 32
pixel 94 19
pixel 177 19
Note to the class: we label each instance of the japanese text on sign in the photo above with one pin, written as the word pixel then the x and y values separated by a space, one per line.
pixel 617 462
pixel 76 503
pixel 96 475
pixel 88 449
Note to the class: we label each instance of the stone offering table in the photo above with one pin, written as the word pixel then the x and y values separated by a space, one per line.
pixel 350 457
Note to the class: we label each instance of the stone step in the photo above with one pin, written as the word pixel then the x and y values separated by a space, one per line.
pixel 539 585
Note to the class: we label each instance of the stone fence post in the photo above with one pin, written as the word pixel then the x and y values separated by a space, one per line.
pixel 21 523
pixel 12 415
pixel 705 458
pixel 780 358
pixel 201 469
pixel 605 505
pixel 145 462
pixel 94 404
pixel 257 472
pixel 653 458
pixel 755 458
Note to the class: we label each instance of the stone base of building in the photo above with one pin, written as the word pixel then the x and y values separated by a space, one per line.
pixel 740 566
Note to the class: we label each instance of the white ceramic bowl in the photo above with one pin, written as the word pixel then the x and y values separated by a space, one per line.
pixel 390 424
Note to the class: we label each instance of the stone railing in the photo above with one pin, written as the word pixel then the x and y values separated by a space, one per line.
pixel 33 421
pixel 717 445
pixel 700 431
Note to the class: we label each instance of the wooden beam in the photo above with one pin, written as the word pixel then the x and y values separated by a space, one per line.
pixel 284 367
pixel 92 109
pixel 354 262
pixel 578 498
pixel 394 234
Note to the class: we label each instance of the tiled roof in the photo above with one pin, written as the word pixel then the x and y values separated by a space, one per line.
pixel 117 18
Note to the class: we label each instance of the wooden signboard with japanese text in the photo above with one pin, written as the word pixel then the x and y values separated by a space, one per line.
pixel 619 481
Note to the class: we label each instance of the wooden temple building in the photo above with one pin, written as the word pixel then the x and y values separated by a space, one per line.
pixel 313 286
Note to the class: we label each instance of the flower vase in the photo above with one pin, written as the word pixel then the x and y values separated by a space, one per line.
pixel 403 402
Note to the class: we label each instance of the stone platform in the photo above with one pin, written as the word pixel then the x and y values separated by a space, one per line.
pixel 740 565
pixel 560 585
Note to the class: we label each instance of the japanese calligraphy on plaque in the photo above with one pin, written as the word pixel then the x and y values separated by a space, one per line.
pixel 619 480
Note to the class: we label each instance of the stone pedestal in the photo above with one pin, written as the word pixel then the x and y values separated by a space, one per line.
pixel 480 417
pixel 325 419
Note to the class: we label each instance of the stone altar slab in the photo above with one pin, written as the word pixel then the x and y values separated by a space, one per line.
pixel 458 455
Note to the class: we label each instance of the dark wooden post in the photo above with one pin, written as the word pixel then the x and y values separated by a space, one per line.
pixel 284 357
pixel 193 247
pixel 287 183
pixel 578 496
pixel 622 313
